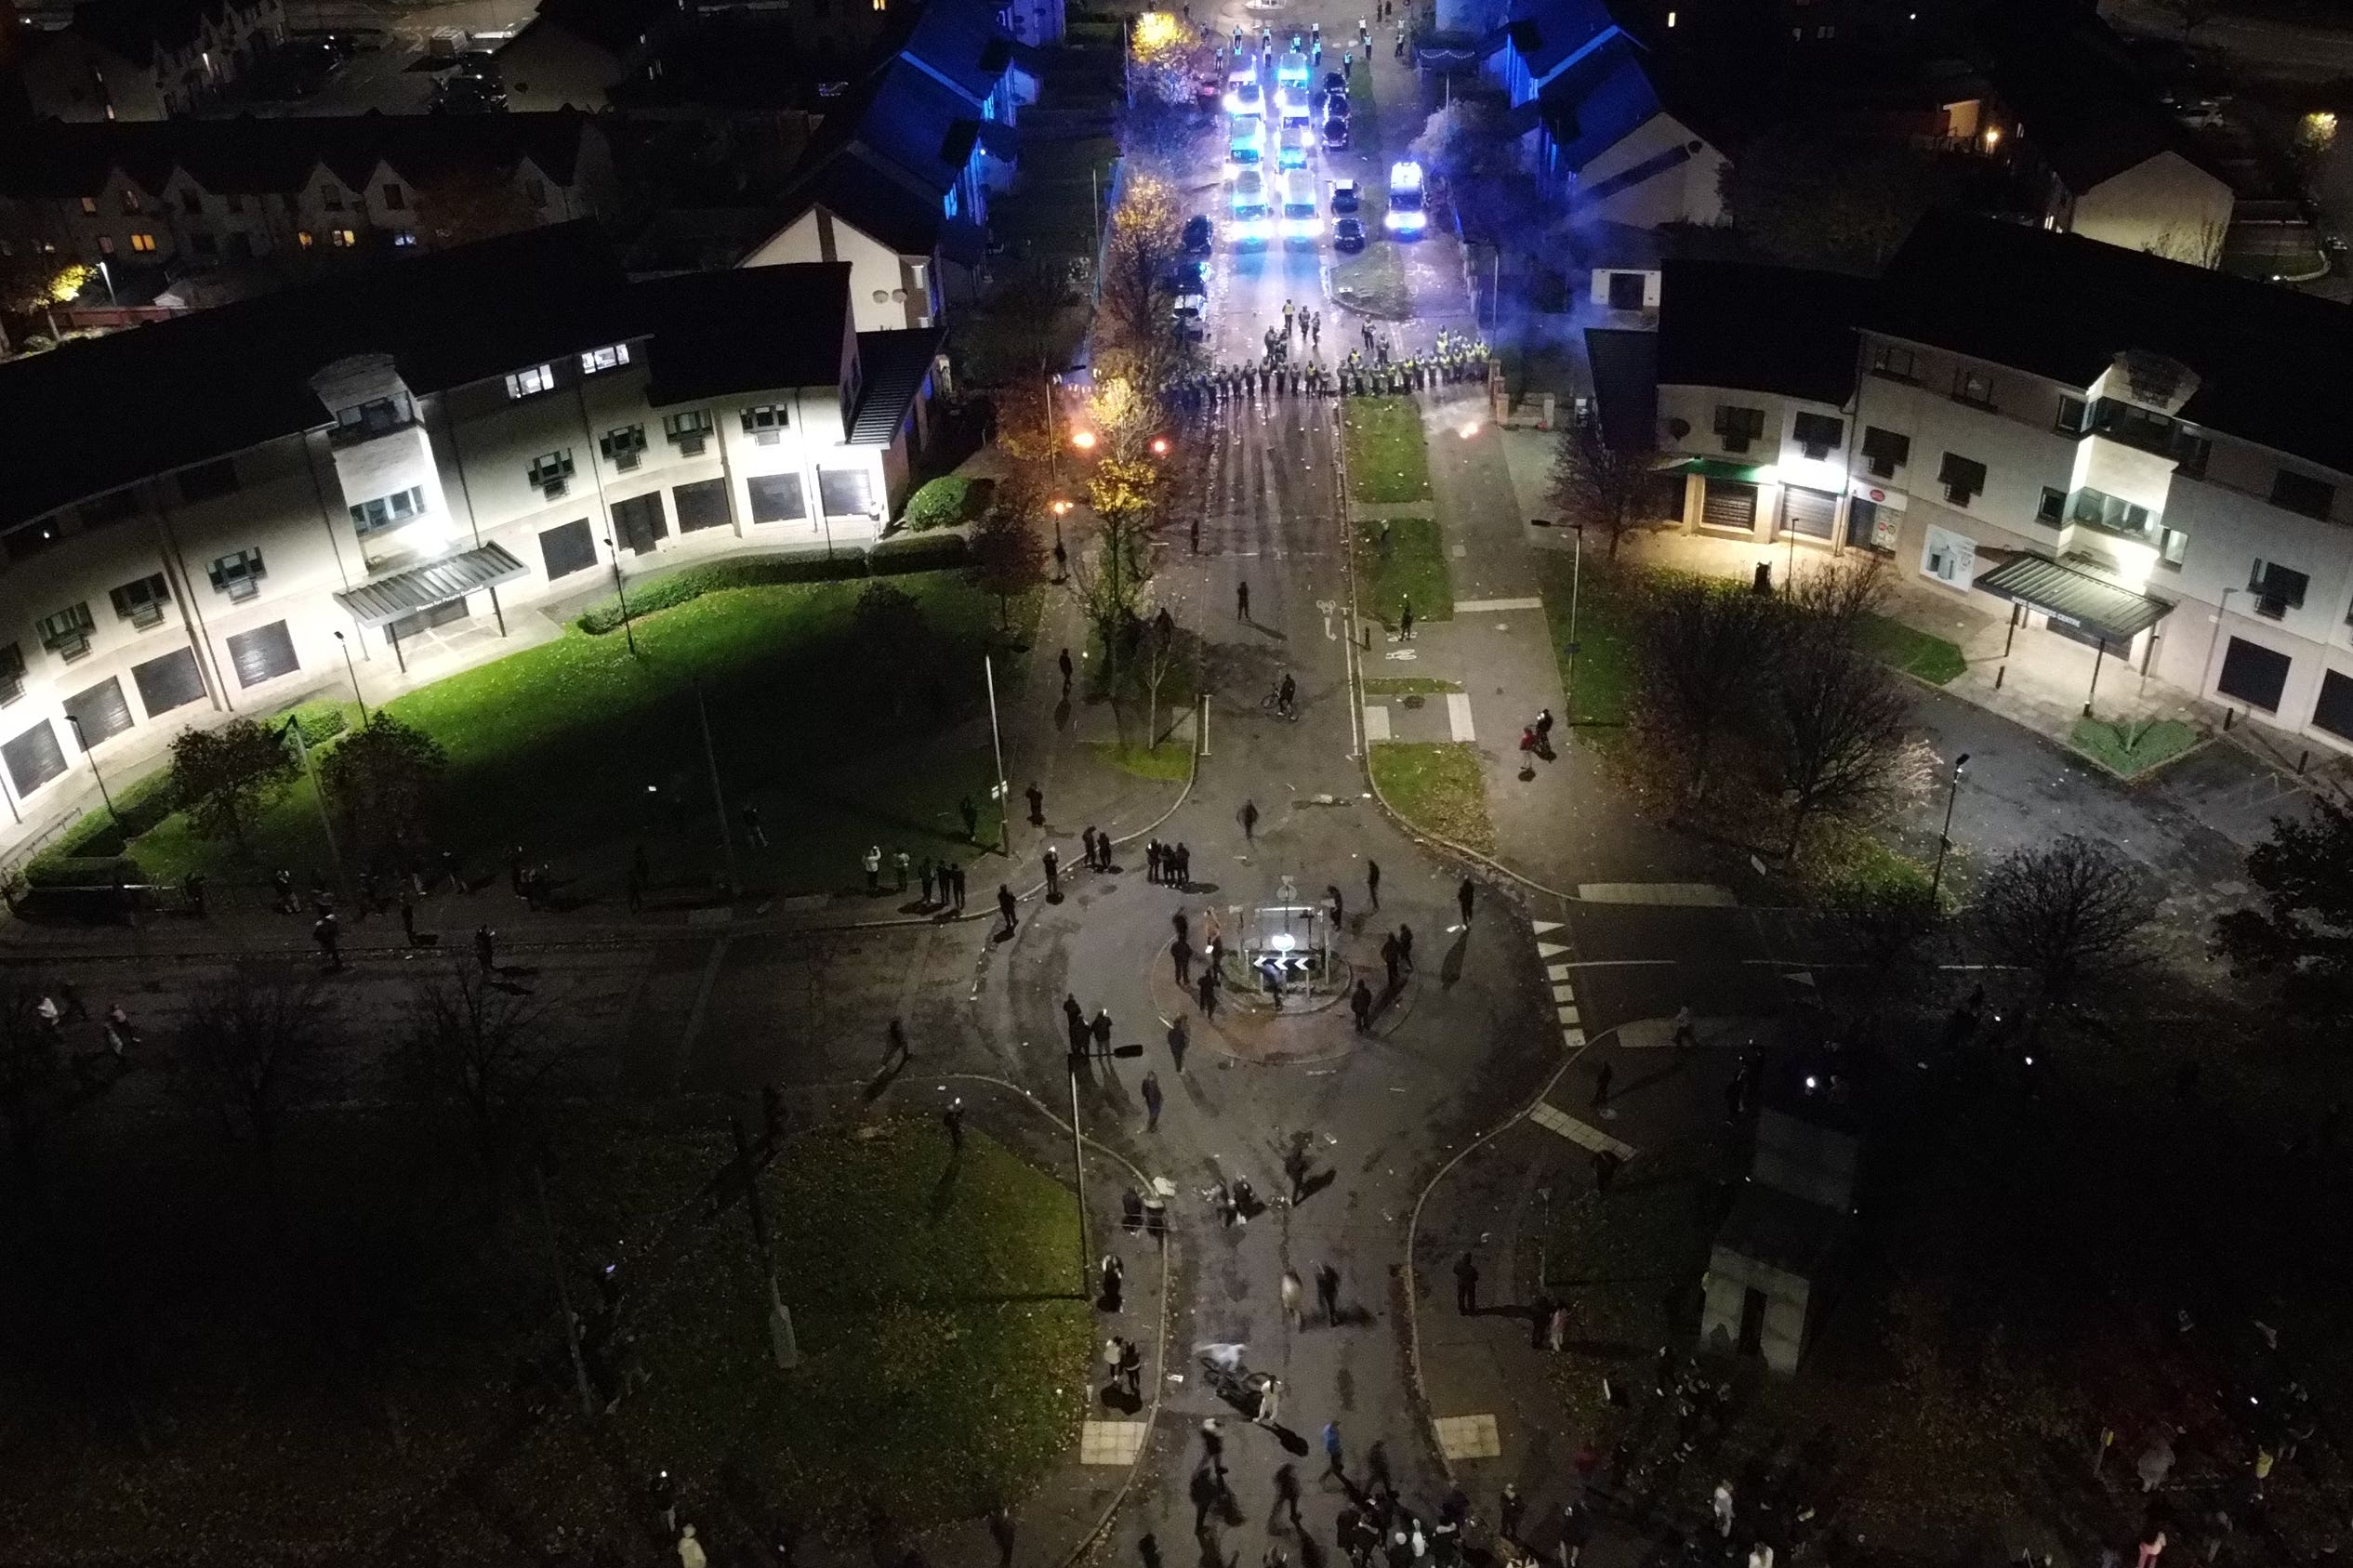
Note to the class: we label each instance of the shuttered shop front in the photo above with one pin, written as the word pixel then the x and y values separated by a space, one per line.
pixel 1811 512
pixel 264 654
pixel 1729 504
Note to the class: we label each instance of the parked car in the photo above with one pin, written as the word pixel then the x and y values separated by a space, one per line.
pixel 1200 234
pixel 1334 82
pixel 1189 277
pixel 468 95
pixel 1348 234
pixel 1187 313
pixel 1345 196
pixel 1335 132
pixel 1335 102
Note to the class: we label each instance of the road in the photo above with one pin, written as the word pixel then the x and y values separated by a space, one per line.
pixel 2285 49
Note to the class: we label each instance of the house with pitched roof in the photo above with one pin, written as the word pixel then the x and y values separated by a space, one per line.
pixel 143 59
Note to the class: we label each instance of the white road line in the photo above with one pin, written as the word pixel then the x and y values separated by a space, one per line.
pixel 1616 963
pixel 1376 721
pixel 1553 1120
pixel 1695 894
pixel 1573 1038
pixel 1556 971
pixel 1567 1017
pixel 1490 606
pixel 1549 950
pixel 1543 928
pixel 1459 717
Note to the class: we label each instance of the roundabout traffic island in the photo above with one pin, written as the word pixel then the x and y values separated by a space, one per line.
pixel 1285 976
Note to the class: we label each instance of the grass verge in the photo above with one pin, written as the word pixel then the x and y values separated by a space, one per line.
pixel 1436 785
pixel 1400 559
pixel 1170 760
pixel 1388 461
pixel 2129 747
pixel 1373 281
pixel 1915 652
pixel 1409 686
pixel 1607 600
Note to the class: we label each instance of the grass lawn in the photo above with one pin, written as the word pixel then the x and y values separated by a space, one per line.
pixel 1436 785
pixel 1607 598
pixel 1373 281
pixel 1409 686
pixel 1387 460
pixel 2131 747
pixel 1398 559
pixel 1915 652
pixel 938 1302
pixel 1170 760
pixel 833 765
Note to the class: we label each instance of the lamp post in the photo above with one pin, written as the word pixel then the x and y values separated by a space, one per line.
pixel 341 642
pixel 83 741
pixel 1576 581
pixel 628 632
pixel 1944 839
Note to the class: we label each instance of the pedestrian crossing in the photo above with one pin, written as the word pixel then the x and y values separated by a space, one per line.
pixel 1566 1015
pixel 1583 1134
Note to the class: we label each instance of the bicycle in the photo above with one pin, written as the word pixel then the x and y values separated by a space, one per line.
pixel 1273 705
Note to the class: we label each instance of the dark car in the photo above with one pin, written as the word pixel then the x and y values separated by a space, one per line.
pixel 298 68
pixel 1348 234
pixel 1335 102
pixel 468 95
pixel 1335 132
pixel 1344 197
pixel 1334 82
pixel 1188 277
pixel 1199 234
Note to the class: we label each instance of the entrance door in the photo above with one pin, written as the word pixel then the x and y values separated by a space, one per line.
pixel 1752 1323
pixel 639 522
pixel 1729 504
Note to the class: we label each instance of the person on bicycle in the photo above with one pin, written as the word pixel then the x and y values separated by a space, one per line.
pixel 1287 695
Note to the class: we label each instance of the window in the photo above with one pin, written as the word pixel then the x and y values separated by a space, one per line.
pixel 845 491
pixel 264 653
pixel 342 239
pixel 131 203
pixel 141 602
pixel 207 480
pixel 144 244
pixel 1737 428
pixel 388 512
pixel 98 714
pixel 2052 509
pixel 567 550
pixel 169 682
pixel 1974 386
pixel 624 447
pixel 238 575
pixel 1818 433
pixel 2333 710
pixel 34 758
pixel 1901 364
pixel 639 521
pixel 765 422
pixel 106 244
pixel 700 505
pixel 523 383
pixel 2172 545
pixel 2302 493
pixel 333 198
pixel 67 633
pixel 690 430
pixel 549 471
pixel 11 672
pixel 2113 513
pixel 192 203
pixel 89 206
pixel 611 357
pixel 1963 478
pixel 112 507
pixel 777 498
pixel 2254 674
pixel 2075 417
pixel 395 199
pixel 374 416
pixel 302 238
pixel 1885 450
pixel 2276 588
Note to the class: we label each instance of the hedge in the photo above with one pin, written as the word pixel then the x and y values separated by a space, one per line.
pixel 320 721
pixel 946 501
pixel 674 589
pixel 142 805
pixel 54 870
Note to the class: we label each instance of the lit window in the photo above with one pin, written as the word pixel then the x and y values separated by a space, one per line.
pixel 89 204
pixel 389 511
pixel 342 239
pixel 238 575
pixel 302 238
pixel 143 243
pixel 523 383
pixel 403 239
pixel 612 356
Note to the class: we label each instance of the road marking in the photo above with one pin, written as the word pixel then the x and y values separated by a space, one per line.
pixel 1693 894
pixel 1376 721
pixel 1552 1119
pixel 1549 950
pixel 1405 654
pixel 1458 716
pixel 1468 1437
pixel 1573 1038
pixel 1556 971
pixel 1490 606
pixel 1565 995
pixel 1567 1016
pixel 1543 928
pixel 1111 1442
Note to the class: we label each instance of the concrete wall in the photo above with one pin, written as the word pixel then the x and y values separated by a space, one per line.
pixel 1787 1299
pixel 887 292
pixel 2167 204
pixel 1688 192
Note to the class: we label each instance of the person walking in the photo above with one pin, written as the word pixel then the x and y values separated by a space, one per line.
pixel 1721 1502
pixel 1577 1528
pixel 894 1045
pixel 1250 821
pixel 953 1119
pixel 956 877
pixel 1328 1293
pixel 1087 847
pixel 1464 898
pixel 1602 1075
pixel 2152 1547
pixel 330 940
pixel 1466 1286
pixel 873 861
pixel 1294 1298
pixel 690 1550
pixel 902 862
pixel 1372 883
pixel 1334 902
pixel 1101 1030
pixel 1405 619
pixel 1053 875
pixel 1204 991
pixel 1067 668
pixel 1152 1103
pixel 1389 958
pixel 1241 602
pixel 753 834
pixel 1360 1003
pixel 1213 1447
pixel 1006 906
pixel 1405 948
pixel 1544 729
pixel 971 815
pixel 1270 1402
pixel 485 947
pixel 1334 1459
pixel 932 876
pixel 1113 1283
pixel 1181 953
pixel 1509 1511
pixel 408 918
pixel 1037 799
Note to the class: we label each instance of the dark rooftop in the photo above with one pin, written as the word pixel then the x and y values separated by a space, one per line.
pixel 1625 367
pixel 2270 362
pixel 2083 104
pixel 738 331
pixel 1759 328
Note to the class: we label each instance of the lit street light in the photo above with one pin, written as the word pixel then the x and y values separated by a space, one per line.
pixel 83 741
pixel 1083 440
pixel 1944 839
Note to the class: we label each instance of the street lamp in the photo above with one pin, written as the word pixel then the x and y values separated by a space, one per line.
pixel 83 741
pixel 346 646
pixel 628 632
pixel 1083 440
pixel 1944 839
pixel 1160 446
pixel 1576 581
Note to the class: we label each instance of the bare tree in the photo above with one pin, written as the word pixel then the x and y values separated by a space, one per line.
pixel 471 1043
pixel 1600 486
pixel 1166 653
pixel 1885 926
pixel 2065 912
pixel 1837 742
pixel 251 1047
pixel 1703 657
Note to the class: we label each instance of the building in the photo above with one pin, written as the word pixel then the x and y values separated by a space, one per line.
pixel 1778 1256
pixel 2133 460
pixel 582 54
pixel 400 461
pixel 143 59
pixel 1607 125
pixel 203 193
pixel 907 257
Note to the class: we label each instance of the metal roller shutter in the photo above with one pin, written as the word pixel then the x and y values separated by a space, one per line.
pixel 700 505
pixel 1812 513
pixel 264 654
pixel 2334 711
pixel 99 711
pixel 2254 674
pixel 640 521
pixel 567 550
pixel 34 758
pixel 169 682
pixel 1729 504
pixel 777 498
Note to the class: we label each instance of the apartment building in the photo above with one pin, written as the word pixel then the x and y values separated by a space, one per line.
pixel 202 516
pixel 209 192
pixel 2117 451
pixel 141 59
